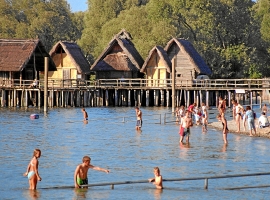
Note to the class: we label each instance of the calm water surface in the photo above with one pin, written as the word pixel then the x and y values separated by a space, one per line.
pixel 112 142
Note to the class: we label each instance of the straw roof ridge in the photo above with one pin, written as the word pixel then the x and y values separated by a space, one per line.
pixel 75 53
pixel 162 54
pixel 128 49
pixel 193 55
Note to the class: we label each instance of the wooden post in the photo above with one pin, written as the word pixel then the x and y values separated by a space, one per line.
pixel 22 100
pixel 129 97
pixel 26 99
pixel 116 97
pixel 185 97
pixel 173 84
pixel 162 100
pixel 46 66
pixel 260 100
pixel 168 97
pixel 250 98
pixel 39 100
pixel 141 97
pixel 217 98
pixel 207 98
pixel 107 97
pixel 180 99
pixel 135 98
pixel 188 98
pixel 147 102
pixel 201 98
pixel 229 99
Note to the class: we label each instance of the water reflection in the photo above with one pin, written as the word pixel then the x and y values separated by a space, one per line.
pixel 32 194
pixel 224 147
pixel 80 193
pixel 184 147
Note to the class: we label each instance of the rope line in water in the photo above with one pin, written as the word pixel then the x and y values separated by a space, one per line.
pixel 173 179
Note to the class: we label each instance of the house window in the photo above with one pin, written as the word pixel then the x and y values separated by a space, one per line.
pixel 178 75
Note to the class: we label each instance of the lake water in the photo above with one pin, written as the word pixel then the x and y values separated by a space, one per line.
pixel 112 142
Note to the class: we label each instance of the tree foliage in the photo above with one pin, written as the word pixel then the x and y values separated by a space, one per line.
pixel 48 20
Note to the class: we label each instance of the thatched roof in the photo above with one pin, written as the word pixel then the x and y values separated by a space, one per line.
pixel 194 56
pixel 16 54
pixel 74 52
pixel 127 59
pixel 162 55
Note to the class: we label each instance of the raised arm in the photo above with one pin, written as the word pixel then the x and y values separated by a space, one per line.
pixel 99 169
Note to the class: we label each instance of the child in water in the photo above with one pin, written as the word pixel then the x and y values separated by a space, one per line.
pixel 80 175
pixel 158 178
pixel 32 170
pixel 204 124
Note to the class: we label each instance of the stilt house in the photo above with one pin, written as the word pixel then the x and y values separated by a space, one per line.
pixel 120 59
pixel 186 61
pixel 157 67
pixel 21 61
pixel 70 62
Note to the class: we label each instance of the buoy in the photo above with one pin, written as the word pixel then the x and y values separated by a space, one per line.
pixel 34 116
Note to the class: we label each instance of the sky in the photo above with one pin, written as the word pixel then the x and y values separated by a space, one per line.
pixel 77 5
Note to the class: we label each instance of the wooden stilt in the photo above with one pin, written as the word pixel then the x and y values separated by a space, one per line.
pixel 135 98
pixel 162 100
pixel 129 97
pixel 147 99
pixel 39 99
pixel 188 98
pixel 250 99
pixel 207 98
pixel 116 97
pixel 217 96
pixel 106 97
pixel 26 99
pixel 168 98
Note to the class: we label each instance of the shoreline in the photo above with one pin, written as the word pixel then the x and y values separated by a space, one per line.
pixel 260 132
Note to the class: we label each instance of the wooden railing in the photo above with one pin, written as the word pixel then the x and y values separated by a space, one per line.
pixel 142 83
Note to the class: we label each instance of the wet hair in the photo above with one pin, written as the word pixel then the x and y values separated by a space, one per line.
pixel 86 158
pixel 248 108
pixel 83 109
pixel 157 169
pixel 36 151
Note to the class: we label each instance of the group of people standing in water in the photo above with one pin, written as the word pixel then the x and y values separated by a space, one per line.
pixel 199 116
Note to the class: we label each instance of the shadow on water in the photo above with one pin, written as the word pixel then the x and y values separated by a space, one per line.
pixel 110 139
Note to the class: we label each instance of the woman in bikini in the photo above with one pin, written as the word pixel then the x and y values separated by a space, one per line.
pixel 225 129
pixel 32 170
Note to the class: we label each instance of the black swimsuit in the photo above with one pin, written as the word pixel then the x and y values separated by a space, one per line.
pixel 223 126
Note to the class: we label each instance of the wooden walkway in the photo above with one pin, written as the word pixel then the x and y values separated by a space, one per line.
pixel 145 84
pixel 129 92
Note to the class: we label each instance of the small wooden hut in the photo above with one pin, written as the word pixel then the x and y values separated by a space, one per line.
pixel 22 59
pixel 157 67
pixel 70 62
pixel 120 59
pixel 187 61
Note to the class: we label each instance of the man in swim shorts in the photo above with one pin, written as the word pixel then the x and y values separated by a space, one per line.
pixel 139 118
pixel 80 174
pixel 186 123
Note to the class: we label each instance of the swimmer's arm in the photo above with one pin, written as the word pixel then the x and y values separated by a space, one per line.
pixel 75 177
pixel 151 180
pixel 99 169
pixel 27 170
